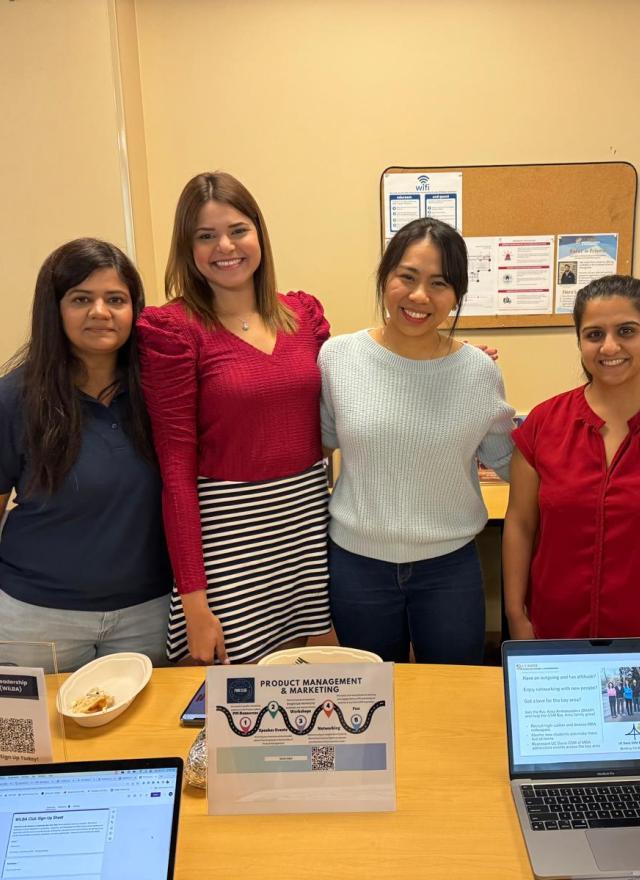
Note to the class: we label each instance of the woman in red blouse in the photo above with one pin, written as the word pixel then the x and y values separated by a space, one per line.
pixel 571 551
pixel 230 379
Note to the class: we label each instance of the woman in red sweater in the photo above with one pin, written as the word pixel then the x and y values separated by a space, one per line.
pixel 230 379
pixel 571 551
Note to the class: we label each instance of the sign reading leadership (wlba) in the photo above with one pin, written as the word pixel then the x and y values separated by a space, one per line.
pixel 25 737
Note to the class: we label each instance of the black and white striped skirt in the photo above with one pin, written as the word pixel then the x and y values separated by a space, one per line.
pixel 265 557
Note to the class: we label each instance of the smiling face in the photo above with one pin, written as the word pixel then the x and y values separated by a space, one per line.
pixel 609 339
pixel 97 314
pixel 226 248
pixel 417 296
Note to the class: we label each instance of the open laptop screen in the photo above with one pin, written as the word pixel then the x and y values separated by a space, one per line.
pixel 99 820
pixel 573 707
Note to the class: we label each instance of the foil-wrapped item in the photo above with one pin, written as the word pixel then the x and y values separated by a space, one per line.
pixel 195 771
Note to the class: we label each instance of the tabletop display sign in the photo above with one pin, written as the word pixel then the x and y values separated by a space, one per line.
pixel 25 736
pixel 308 738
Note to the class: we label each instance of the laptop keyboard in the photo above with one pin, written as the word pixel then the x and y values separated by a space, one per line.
pixel 563 807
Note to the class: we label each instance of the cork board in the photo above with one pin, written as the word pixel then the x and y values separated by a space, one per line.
pixel 507 200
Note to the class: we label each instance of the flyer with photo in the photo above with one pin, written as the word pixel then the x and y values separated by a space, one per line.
pixel 581 259
pixel 302 738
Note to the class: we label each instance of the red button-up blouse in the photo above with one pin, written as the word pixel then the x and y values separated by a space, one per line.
pixel 221 408
pixel 585 571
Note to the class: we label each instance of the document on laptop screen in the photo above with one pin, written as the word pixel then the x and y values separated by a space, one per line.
pixel 567 710
pixel 111 825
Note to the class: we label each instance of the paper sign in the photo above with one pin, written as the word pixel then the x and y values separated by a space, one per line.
pixel 303 738
pixel 581 259
pixel 25 737
pixel 482 294
pixel 525 274
pixel 409 196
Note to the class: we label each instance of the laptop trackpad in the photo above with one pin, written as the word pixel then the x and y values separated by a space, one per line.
pixel 615 849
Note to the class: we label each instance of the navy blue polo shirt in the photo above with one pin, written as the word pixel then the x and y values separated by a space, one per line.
pixel 97 544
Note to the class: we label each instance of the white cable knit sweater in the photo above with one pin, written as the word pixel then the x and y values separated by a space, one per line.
pixel 409 432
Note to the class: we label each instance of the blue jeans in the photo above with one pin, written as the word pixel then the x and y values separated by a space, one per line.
pixel 436 605
pixel 81 636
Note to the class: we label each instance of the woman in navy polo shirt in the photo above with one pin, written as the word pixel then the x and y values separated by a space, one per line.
pixel 83 561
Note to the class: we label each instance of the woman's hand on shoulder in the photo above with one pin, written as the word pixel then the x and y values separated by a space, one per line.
pixel 490 352
pixel 205 638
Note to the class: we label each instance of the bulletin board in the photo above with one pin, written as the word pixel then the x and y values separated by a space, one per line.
pixel 544 200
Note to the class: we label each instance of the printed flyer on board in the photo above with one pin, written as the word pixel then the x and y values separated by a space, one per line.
pixel 411 195
pixel 525 274
pixel 482 294
pixel 581 259
pixel 301 738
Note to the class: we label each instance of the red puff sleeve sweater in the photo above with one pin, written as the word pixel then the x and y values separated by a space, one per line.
pixel 222 409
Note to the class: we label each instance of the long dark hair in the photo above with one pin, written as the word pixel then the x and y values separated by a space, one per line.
pixel 182 278
pixel 52 408
pixel 452 249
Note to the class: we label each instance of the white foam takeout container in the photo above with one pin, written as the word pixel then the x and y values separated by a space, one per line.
pixel 319 654
pixel 121 675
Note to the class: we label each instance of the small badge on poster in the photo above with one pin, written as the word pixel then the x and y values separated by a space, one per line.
pixel 25 735
pixel 306 738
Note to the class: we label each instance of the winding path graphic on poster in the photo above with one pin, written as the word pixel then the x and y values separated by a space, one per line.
pixel 301 728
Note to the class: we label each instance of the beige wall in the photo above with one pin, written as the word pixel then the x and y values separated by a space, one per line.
pixel 307 102
pixel 125 36
pixel 60 173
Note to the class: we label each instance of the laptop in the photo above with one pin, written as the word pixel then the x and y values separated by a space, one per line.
pixel 104 820
pixel 573 731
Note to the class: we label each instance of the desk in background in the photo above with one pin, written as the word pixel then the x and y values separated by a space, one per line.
pixel 455 819
pixel 496 498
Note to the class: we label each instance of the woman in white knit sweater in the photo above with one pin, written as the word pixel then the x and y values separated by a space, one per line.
pixel 411 409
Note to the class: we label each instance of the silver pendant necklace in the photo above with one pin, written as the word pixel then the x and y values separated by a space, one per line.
pixel 245 326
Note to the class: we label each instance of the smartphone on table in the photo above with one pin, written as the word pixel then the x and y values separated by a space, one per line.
pixel 194 715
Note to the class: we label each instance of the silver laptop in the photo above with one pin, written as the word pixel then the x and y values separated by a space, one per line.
pixel 573 729
pixel 90 820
